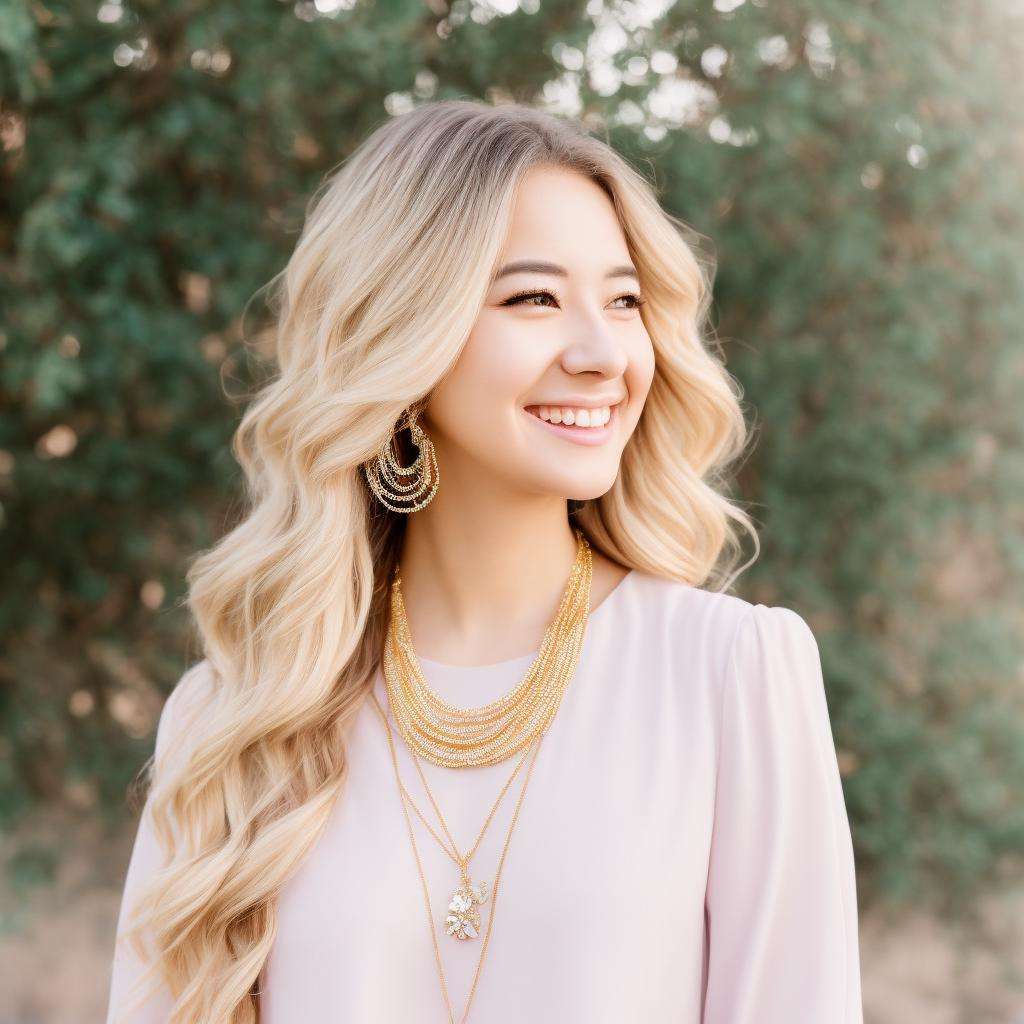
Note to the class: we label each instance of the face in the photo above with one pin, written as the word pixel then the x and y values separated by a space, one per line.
pixel 558 344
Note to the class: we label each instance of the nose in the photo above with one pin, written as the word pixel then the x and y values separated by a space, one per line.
pixel 597 349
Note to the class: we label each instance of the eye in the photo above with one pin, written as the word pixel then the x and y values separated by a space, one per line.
pixel 520 299
pixel 637 300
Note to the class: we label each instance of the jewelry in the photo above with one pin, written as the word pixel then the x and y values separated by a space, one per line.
pixel 423 881
pixel 385 474
pixel 463 920
pixel 453 737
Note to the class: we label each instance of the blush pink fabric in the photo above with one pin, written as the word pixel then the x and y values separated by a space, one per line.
pixel 682 854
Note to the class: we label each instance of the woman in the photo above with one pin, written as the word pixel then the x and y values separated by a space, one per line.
pixel 474 737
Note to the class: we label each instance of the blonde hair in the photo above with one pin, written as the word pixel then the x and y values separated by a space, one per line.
pixel 383 288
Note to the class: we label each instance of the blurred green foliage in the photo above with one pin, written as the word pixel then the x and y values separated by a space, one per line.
pixel 859 170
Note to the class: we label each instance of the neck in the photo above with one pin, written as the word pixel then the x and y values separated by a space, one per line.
pixel 482 574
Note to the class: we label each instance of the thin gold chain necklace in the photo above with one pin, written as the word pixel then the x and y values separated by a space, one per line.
pixel 454 737
pixel 423 880
pixel 463 918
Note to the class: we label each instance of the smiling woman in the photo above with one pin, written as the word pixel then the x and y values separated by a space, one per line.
pixel 484 516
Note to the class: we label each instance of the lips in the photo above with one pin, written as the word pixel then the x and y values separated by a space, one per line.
pixel 575 434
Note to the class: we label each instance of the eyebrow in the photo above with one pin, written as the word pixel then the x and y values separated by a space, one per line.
pixel 542 267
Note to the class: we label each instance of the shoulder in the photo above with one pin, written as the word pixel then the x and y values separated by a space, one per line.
pixel 775 641
pixel 189 698
pixel 774 674
pixel 737 636
pixel 687 604
pixel 688 611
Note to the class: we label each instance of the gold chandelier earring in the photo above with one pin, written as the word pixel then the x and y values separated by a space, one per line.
pixel 389 479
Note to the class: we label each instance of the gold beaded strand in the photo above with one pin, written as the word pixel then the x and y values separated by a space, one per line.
pixel 454 737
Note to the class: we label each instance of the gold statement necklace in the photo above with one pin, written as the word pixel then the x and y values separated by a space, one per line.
pixel 453 737
pixel 459 738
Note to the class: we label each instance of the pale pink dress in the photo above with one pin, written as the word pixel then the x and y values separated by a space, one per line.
pixel 682 856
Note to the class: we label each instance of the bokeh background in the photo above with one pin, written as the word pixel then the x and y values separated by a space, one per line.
pixel 858 169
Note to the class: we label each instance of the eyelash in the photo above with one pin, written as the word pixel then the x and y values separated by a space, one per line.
pixel 516 299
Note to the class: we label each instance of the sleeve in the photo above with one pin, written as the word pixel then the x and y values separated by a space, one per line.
pixel 781 903
pixel 147 858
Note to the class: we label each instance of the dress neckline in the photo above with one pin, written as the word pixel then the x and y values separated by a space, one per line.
pixel 439 667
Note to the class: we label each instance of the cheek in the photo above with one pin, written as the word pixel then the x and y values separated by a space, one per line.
pixel 493 375
pixel 640 372
pixel 497 368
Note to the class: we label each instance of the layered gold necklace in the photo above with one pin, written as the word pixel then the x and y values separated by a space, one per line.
pixel 465 899
pixel 453 737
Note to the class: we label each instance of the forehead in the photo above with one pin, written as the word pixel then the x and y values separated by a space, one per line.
pixel 562 216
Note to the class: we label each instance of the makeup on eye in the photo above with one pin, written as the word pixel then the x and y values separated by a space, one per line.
pixel 518 297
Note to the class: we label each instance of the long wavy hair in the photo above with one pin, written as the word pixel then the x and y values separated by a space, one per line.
pixel 386 281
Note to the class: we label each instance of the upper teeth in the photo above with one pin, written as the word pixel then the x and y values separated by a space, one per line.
pixel 579 417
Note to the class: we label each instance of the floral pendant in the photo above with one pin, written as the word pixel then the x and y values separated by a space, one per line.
pixel 463 920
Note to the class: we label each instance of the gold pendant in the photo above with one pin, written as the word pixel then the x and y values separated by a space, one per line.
pixel 463 920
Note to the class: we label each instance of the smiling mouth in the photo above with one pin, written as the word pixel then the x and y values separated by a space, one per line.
pixel 586 435
pixel 535 411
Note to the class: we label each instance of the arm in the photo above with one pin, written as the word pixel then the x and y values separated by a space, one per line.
pixel 781 905
pixel 146 859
